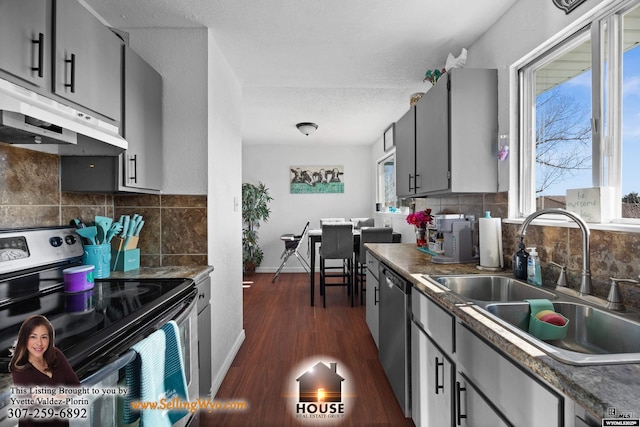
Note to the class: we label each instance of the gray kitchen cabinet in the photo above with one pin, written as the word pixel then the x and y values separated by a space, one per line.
pixel 139 168
pixel 87 60
pixel 473 409
pixel 489 382
pixel 405 139
pixel 25 41
pixel 204 337
pixel 372 313
pixel 142 124
pixel 432 366
pixel 455 137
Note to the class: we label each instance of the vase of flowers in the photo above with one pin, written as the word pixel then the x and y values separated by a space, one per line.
pixel 420 220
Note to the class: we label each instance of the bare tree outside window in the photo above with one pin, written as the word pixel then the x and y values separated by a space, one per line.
pixel 563 138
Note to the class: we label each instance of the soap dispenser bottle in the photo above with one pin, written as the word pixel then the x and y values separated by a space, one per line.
pixel 534 275
pixel 520 260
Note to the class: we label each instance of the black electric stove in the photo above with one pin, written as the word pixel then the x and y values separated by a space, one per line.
pixel 91 327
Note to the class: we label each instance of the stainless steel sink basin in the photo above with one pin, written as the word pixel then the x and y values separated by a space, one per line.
pixel 486 288
pixel 594 336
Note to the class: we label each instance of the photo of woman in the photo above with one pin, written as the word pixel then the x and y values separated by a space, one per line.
pixel 38 362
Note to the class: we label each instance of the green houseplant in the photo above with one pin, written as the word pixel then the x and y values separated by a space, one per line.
pixel 255 200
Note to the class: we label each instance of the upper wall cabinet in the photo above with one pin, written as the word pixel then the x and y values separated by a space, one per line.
pixel 88 60
pixel 454 137
pixel 139 168
pixel 25 40
pixel 142 123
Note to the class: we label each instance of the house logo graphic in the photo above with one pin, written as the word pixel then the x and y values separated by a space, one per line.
pixel 321 391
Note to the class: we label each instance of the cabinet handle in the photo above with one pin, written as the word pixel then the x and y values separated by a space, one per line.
pixel 40 43
pixel 72 61
pixel 438 365
pixel 410 187
pixel 459 415
pixel 375 296
pixel 134 176
pixel 416 181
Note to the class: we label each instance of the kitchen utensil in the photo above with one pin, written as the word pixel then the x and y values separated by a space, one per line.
pixel 104 224
pixel 136 232
pixel 88 233
pixel 124 220
pixel 115 228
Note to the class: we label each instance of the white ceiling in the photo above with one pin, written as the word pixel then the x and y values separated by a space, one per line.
pixel 348 65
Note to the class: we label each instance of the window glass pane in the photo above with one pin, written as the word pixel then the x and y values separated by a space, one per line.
pixel 387 176
pixel 631 114
pixel 563 126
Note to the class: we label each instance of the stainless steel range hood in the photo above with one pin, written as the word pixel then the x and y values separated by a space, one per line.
pixel 33 121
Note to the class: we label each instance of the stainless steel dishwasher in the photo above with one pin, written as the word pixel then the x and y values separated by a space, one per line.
pixel 395 334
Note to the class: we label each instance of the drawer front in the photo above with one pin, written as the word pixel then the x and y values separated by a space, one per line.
pixel 437 322
pixel 373 264
pixel 524 400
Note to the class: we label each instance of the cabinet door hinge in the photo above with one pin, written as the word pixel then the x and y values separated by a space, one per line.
pixel 449 175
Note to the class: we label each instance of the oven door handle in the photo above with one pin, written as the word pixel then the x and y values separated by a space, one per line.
pixel 105 372
pixel 180 313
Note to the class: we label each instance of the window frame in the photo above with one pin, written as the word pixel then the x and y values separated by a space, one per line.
pixel 604 28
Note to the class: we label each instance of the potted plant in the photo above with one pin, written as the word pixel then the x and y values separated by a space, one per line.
pixel 255 199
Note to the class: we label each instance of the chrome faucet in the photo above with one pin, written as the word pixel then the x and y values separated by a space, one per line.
pixel 585 283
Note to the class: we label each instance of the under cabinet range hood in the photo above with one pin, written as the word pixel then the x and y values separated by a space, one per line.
pixel 33 121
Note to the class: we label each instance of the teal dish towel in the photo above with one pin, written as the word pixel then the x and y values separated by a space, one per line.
pixel 157 375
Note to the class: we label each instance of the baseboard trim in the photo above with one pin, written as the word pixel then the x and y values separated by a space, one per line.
pixel 219 377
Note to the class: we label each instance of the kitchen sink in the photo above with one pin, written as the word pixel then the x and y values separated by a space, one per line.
pixel 491 288
pixel 594 336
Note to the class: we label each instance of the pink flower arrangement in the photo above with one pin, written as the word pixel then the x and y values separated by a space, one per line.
pixel 420 219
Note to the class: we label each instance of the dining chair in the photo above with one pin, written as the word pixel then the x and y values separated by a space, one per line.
pixel 292 243
pixel 327 220
pixel 358 223
pixel 337 244
pixel 368 235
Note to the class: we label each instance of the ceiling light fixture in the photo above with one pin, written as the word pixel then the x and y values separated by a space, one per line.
pixel 307 127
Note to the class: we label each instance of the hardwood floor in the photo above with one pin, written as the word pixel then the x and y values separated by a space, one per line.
pixel 284 337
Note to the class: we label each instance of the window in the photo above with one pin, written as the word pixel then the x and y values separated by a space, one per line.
pixel 580 115
pixel 386 196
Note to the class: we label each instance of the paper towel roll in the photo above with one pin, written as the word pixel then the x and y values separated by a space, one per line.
pixel 490 236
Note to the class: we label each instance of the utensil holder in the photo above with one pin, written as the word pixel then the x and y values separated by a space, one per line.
pixel 100 257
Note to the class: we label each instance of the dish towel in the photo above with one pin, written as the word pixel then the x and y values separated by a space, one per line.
pixel 157 375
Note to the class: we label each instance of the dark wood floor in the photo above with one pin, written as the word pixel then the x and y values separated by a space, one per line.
pixel 283 333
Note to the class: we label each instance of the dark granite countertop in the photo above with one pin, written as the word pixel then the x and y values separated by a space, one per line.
pixel 595 388
pixel 197 273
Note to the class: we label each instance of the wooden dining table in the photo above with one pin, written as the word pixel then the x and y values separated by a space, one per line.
pixel 315 237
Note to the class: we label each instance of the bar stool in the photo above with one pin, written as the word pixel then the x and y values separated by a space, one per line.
pixel 291 245
pixel 337 243
pixel 369 235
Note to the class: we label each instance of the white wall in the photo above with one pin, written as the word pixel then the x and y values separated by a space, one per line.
pixel 202 155
pixel 224 218
pixel 290 212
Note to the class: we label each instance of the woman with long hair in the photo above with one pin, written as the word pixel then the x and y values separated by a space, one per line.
pixel 38 362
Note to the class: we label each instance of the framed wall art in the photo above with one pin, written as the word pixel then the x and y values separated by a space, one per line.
pixel 316 179
pixel 389 141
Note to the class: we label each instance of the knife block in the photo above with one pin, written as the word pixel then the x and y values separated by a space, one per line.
pixel 125 258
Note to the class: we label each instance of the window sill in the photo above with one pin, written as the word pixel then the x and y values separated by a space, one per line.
pixel 626 227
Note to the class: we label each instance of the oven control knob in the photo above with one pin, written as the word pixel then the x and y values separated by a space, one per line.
pixel 56 241
pixel 70 239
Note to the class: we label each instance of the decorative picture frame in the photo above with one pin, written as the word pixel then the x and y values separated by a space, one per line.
pixel 389 137
pixel 316 179
pixel 567 5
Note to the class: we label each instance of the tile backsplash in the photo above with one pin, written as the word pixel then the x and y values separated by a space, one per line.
pixel 175 230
